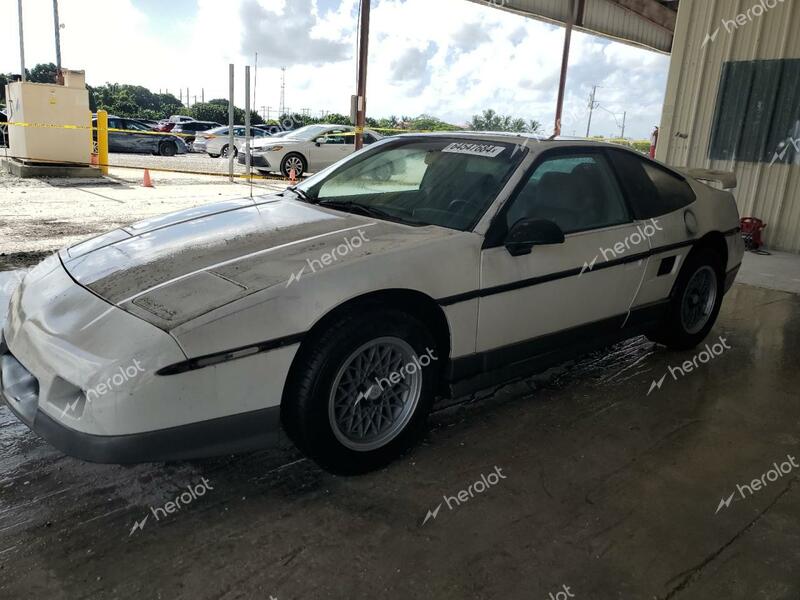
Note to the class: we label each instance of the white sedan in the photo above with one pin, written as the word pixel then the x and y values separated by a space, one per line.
pixel 339 309
pixel 306 150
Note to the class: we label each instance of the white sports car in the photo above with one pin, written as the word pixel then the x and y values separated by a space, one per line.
pixel 339 309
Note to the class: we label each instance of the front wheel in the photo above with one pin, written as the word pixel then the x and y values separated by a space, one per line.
pixel 293 161
pixel 696 302
pixel 225 152
pixel 362 391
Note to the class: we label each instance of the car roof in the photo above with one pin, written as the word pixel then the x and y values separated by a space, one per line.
pixel 517 138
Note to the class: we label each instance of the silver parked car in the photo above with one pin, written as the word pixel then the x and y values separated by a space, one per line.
pixel 214 142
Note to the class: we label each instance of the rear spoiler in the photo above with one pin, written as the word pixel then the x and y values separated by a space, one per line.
pixel 726 178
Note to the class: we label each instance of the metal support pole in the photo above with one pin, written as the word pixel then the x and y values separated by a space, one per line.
pixel 562 84
pixel 102 141
pixel 624 119
pixel 21 41
pixel 57 25
pixel 247 121
pixel 230 122
pixel 363 61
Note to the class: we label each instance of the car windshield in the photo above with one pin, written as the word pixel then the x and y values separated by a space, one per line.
pixel 440 181
pixel 309 132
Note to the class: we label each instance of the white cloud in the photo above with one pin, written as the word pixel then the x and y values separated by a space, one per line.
pixel 450 58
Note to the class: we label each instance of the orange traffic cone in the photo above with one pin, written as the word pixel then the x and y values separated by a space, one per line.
pixel 293 176
pixel 147 182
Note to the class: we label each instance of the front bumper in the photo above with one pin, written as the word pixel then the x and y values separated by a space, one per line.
pixel 61 345
pixel 258 161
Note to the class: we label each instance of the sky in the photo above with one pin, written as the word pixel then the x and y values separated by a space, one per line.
pixel 448 58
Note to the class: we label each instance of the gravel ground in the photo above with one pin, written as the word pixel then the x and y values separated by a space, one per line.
pixel 39 216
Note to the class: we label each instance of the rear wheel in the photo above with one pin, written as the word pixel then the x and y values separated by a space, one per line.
pixel 362 391
pixel 225 151
pixel 696 301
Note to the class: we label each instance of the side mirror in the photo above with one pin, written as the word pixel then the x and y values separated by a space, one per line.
pixel 527 233
pixel 321 140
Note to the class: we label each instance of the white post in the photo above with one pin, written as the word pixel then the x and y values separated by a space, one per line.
pixel 247 120
pixel 230 123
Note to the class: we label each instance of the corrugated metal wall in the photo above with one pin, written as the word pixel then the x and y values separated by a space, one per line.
pixel 768 191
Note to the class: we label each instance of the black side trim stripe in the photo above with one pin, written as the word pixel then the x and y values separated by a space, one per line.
pixel 524 283
pixel 208 360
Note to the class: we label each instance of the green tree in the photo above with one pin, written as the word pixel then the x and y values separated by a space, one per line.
pixel 490 120
pixel 42 73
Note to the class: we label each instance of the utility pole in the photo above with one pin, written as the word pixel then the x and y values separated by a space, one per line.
pixel 57 26
pixel 21 40
pixel 592 105
pixel 624 119
pixel 187 98
pixel 255 82
pixel 283 92
pixel 361 84
pixel 203 95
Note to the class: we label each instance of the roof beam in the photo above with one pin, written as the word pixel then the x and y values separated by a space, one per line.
pixel 652 11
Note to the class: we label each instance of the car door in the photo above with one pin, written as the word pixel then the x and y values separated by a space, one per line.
pixel 339 143
pixel 143 143
pixel 560 292
pixel 118 140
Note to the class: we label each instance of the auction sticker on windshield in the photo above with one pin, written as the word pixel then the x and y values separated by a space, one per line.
pixel 488 150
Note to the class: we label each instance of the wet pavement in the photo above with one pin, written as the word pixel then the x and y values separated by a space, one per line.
pixel 590 481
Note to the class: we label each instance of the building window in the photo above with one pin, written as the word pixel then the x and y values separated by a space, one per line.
pixel 757 117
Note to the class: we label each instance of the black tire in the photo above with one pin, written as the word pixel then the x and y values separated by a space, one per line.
pixel 286 167
pixel 224 153
pixel 167 149
pixel 305 409
pixel 213 155
pixel 673 331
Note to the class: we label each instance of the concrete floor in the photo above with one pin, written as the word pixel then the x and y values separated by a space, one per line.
pixel 606 492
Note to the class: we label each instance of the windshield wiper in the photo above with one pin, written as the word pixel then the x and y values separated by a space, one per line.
pixel 301 194
pixel 369 211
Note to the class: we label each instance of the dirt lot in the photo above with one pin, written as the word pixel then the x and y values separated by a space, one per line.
pixel 38 217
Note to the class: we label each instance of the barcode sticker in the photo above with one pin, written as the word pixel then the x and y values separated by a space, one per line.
pixel 488 150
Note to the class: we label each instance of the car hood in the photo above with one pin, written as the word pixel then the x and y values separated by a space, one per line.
pixel 172 269
pixel 281 141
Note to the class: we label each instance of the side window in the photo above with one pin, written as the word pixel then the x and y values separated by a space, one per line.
pixel 369 139
pixel 577 192
pixel 652 191
pixel 116 124
pixel 238 131
pixel 340 137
